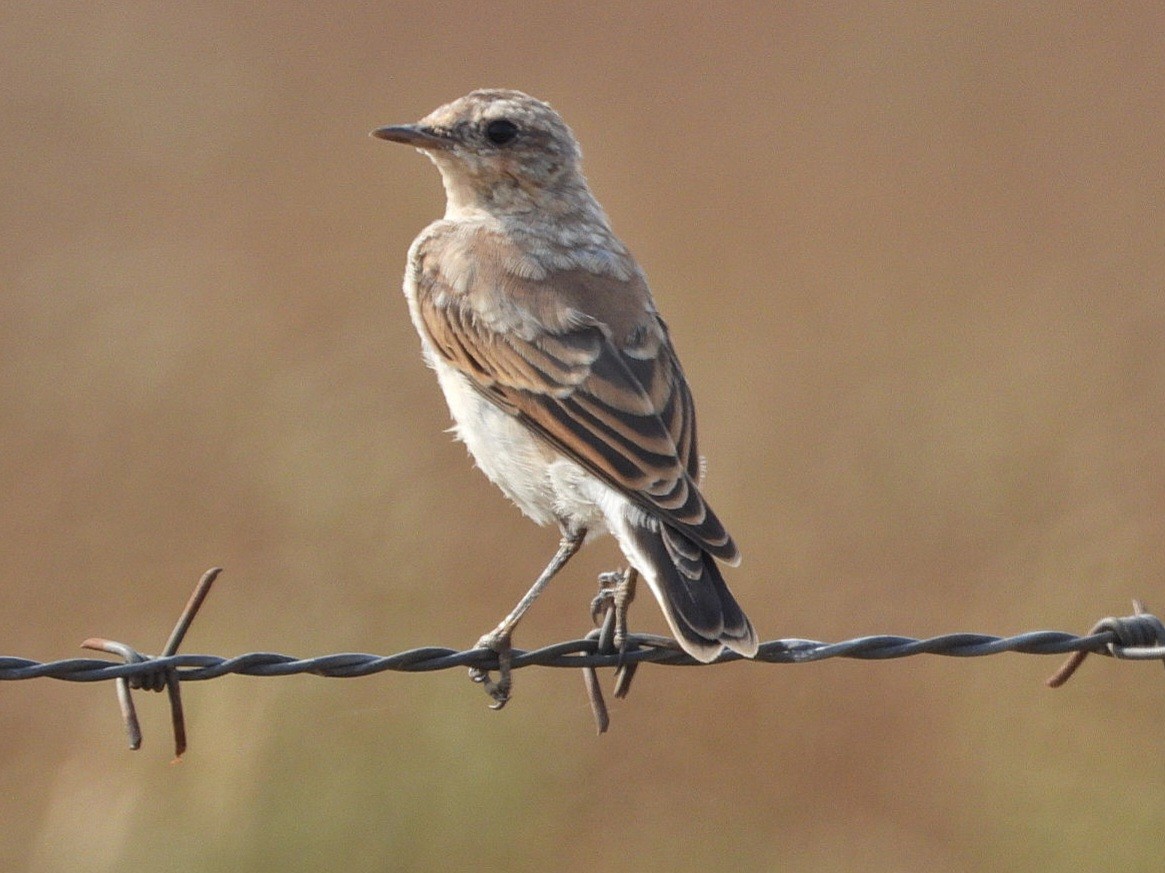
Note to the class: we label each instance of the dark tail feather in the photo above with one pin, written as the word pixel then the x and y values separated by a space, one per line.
pixel 699 608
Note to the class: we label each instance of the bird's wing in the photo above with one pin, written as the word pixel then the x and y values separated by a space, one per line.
pixel 584 361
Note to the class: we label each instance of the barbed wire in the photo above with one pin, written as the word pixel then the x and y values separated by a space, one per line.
pixel 1140 636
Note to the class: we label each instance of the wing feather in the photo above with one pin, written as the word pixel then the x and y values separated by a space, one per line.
pixel 605 389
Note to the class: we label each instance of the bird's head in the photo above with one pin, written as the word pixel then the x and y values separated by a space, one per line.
pixel 499 151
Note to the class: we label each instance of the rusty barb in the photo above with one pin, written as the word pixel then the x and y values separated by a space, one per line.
pixel 1137 637
pixel 163 677
pixel 1140 636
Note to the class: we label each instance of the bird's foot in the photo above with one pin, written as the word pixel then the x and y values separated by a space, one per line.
pixel 499 690
pixel 609 610
pixel 608 582
pixel 616 592
pixel 609 613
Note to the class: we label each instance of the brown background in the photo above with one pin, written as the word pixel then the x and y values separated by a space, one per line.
pixel 914 264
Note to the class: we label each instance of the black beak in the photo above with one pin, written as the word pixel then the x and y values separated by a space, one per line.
pixel 414 135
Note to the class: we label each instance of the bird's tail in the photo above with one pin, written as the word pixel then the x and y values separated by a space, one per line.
pixel 699 608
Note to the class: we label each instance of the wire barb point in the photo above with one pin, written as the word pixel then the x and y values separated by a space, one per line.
pixel 1136 637
pixel 162 676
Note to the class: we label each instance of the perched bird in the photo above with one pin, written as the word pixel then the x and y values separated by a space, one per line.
pixel 557 369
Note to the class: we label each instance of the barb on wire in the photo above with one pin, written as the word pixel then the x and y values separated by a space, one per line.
pixel 157 677
pixel 1140 636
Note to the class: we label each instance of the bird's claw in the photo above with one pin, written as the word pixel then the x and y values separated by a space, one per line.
pixel 608 585
pixel 609 613
pixel 498 690
pixel 616 591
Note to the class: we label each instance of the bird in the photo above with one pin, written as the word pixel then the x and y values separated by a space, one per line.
pixel 559 373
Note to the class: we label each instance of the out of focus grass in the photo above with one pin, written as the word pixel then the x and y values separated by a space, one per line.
pixel 913 263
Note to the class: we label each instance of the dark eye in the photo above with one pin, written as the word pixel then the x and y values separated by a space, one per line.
pixel 501 131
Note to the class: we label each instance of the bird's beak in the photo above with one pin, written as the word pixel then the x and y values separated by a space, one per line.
pixel 415 135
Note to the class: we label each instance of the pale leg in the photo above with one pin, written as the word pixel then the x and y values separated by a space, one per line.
pixel 499 638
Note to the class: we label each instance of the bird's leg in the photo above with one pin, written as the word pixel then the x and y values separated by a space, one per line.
pixel 498 640
pixel 624 594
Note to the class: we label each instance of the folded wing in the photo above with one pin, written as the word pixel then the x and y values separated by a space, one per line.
pixel 605 389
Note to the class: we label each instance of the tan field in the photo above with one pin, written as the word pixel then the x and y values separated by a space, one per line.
pixel 914 264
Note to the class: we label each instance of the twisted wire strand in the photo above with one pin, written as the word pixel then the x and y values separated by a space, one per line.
pixel 1137 637
pixel 573 654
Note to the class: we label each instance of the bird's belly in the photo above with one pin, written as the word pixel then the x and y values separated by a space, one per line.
pixel 546 486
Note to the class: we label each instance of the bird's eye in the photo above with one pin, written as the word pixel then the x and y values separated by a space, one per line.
pixel 501 131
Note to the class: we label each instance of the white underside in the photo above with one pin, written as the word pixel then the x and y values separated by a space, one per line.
pixel 545 485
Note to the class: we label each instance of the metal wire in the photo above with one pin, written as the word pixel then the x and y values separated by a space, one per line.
pixel 1137 637
pixel 641 648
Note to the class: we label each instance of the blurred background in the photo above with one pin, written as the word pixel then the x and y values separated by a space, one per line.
pixel 914 263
